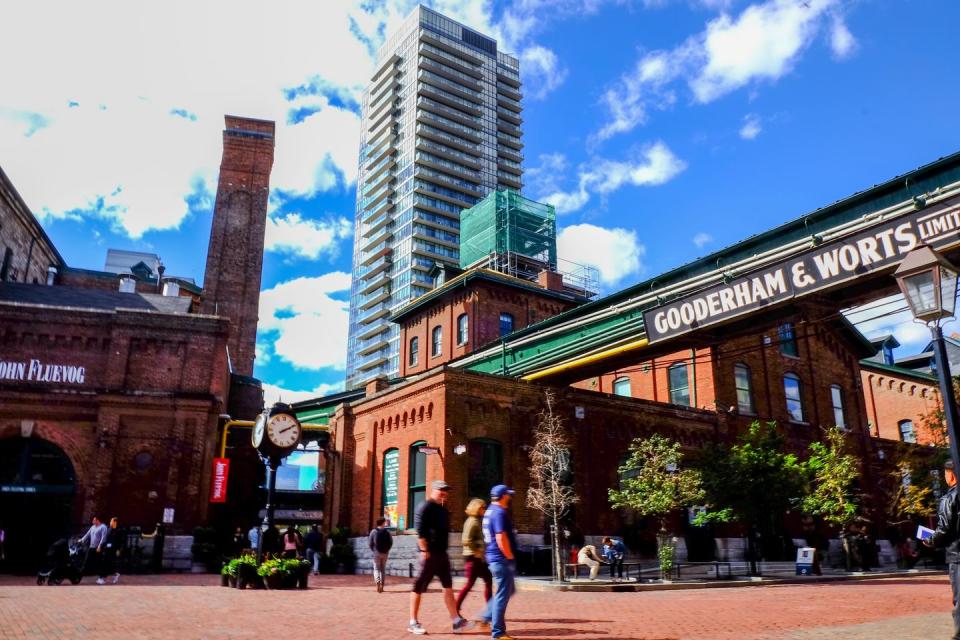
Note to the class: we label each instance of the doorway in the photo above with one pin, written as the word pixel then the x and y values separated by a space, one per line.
pixel 37 488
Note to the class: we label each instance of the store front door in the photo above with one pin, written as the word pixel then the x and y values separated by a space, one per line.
pixel 37 486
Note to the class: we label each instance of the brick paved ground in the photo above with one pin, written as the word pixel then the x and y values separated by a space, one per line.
pixel 193 607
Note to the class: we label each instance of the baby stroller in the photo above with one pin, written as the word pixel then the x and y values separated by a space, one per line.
pixel 64 562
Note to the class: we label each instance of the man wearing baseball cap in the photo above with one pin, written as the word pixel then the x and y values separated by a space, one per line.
pixel 501 542
pixel 432 522
pixel 947 536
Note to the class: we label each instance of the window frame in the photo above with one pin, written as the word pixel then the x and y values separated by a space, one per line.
pixel 836 401
pixel 751 407
pixel 506 316
pixel 671 390
pixel 789 375
pixel 787 336
pixel 413 351
pixel 620 381
pixel 436 341
pixel 483 444
pixel 463 329
pixel 413 488
pixel 913 431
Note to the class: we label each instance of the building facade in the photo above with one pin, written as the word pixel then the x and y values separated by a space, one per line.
pixel 113 384
pixel 441 119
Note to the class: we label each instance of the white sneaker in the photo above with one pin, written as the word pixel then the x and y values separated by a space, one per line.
pixel 101 581
pixel 416 629
pixel 116 578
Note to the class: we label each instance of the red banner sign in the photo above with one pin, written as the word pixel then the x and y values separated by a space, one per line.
pixel 218 483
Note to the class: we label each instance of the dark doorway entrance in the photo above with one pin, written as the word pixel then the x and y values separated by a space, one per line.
pixel 37 485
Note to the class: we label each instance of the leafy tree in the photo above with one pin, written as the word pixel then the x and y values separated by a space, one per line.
pixel 754 482
pixel 551 491
pixel 833 474
pixel 652 483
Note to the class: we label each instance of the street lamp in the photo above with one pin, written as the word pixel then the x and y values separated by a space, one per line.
pixel 929 284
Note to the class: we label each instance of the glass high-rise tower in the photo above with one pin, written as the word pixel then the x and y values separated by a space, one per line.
pixel 440 131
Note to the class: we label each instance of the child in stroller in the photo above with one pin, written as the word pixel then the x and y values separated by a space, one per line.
pixel 64 562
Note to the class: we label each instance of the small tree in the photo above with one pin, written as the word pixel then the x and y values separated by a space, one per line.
pixel 551 491
pixel 653 484
pixel 833 474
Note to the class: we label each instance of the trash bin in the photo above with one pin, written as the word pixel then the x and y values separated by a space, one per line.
pixel 806 556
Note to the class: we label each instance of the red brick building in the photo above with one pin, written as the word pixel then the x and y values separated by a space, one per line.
pixel 110 391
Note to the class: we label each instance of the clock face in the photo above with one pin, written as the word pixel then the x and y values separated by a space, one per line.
pixel 256 436
pixel 283 430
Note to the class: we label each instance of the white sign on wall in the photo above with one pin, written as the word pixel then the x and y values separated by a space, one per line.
pixel 34 370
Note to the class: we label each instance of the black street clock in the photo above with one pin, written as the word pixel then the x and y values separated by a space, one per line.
pixel 276 432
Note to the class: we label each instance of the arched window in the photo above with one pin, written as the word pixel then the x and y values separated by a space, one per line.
pixel 506 324
pixel 485 466
pixel 463 325
pixel 744 384
pixel 414 355
pixel 436 342
pixel 679 384
pixel 621 387
pixel 907 434
pixel 836 399
pixel 791 389
pixel 417 483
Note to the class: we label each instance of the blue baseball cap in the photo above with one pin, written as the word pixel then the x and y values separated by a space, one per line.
pixel 501 490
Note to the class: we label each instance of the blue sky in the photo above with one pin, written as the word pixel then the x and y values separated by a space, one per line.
pixel 662 130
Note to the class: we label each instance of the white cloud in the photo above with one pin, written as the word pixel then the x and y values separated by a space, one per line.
pixel 702 239
pixel 542 71
pixel 615 253
pixel 656 165
pixel 752 126
pixel 273 393
pixel 309 325
pixel 762 43
pixel 842 42
pixel 543 179
pixel 304 238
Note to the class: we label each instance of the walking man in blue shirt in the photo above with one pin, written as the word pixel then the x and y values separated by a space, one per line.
pixel 501 544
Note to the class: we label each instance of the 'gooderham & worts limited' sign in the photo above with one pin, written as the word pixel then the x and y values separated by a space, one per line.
pixel 880 247
pixel 36 371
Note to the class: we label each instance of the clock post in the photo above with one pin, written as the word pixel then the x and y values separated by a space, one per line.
pixel 275 435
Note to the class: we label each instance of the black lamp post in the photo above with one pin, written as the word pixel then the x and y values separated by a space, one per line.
pixel 929 284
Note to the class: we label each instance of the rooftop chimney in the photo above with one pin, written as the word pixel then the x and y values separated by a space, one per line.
pixel 128 285
pixel 51 275
pixel 550 280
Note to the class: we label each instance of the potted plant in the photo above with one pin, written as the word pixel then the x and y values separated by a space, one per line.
pixel 665 551
pixel 282 573
pixel 230 573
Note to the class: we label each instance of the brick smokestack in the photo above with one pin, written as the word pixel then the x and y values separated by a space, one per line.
pixel 231 283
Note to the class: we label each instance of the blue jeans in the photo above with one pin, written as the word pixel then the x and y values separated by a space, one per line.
pixel 496 608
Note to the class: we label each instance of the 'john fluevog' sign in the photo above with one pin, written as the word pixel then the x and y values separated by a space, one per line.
pixel 880 247
pixel 36 371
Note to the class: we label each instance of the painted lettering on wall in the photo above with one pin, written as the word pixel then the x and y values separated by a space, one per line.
pixel 879 248
pixel 36 371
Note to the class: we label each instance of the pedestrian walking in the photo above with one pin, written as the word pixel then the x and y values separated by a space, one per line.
pixel 474 564
pixel 500 553
pixel 93 540
pixel 432 522
pixel 253 535
pixel 588 556
pixel 613 552
pixel 947 535
pixel 313 543
pixel 380 544
pixel 110 553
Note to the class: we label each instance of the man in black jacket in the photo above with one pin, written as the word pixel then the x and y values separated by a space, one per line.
pixel 380 544
pixel 948 535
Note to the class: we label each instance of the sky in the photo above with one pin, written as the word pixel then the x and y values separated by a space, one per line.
pixel 662 130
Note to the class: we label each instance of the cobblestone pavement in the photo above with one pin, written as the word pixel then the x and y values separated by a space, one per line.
pixel 193 607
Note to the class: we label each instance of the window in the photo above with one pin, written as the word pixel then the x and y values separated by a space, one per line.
pixel 788 341
pixel 485 466
pixel 417 485
pixel 907 434
pixel 436 344
pixel 5 267
pixel 791 388
pixel 621 387
pixel 679 383
pixel 836 397
pixel 414 354
pixel 506 324
pixel 741 376
pixel 463 325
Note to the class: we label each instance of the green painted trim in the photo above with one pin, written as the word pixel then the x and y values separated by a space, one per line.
pixel 900 371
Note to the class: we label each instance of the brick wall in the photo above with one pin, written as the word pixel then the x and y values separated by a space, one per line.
pixel 893 397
